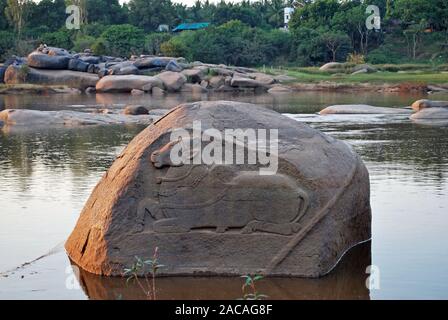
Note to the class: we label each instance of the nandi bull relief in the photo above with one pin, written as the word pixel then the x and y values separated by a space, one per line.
pixel 228 217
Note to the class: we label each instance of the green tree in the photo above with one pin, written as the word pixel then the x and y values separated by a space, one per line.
pixel 125 39
pixel 17 12
pixel 106 12
pixel 154 41
pixel 337 43
pixel 52 12
pixel 314 15
pixel 3 19
pixel 149 14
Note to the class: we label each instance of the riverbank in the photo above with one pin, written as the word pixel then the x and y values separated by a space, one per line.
pixel 56 70
pixel 314 79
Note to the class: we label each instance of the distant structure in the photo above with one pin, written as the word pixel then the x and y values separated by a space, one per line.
pixel 191 26
pixel 288 15
pixel 163 28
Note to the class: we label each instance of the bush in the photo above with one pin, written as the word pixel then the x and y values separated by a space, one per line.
pixel 356 58
pixel 83 42
pixel 61 38
pixel 7 44
pixel 93 29
pixel 153 42
pixel 99 47
pixel 123 40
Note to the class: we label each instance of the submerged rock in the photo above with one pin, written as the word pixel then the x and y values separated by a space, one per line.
pixel 135 110
pixel 424 104
pixel 361 109
pixel 279 89
pixel 30 119
pixel 431 116
pixel 226 219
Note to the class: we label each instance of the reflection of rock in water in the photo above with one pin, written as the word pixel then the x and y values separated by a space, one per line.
pixel 346 282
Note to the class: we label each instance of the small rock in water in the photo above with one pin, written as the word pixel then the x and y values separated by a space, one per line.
pixel 137 92
pixel 135 110
pixel 425 104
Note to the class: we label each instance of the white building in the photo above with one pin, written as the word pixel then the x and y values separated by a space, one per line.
pixel 288 15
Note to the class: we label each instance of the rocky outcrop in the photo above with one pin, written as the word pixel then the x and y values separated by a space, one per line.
pixel 425 104
pixel 31 119
pixel 362 109
pixel 172 81
pixel 44 61
pixel 26 75
pixel 216 219
pixel 243 82
pixel 173 73
pixel 127 83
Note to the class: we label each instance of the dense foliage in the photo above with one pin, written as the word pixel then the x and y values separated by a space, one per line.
pixel 243 33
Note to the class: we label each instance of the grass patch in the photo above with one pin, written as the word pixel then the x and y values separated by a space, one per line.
pixel 29 88
pixel 311 75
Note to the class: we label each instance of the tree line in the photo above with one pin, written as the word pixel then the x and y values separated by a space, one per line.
pixel 244 33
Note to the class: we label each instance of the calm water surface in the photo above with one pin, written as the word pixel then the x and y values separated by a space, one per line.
pixel 46 177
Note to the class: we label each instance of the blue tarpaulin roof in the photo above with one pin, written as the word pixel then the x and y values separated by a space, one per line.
pixel 191 26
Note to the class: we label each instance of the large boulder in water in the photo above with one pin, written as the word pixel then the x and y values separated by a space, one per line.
pixel 431 116
pixel 226 219
pixel 127 83
pixel 172 81
pixel 73 79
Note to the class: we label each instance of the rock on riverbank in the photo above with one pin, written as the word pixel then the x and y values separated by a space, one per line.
pixel 55 66
pixel 30 119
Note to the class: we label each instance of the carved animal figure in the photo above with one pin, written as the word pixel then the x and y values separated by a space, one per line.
pixel 221 198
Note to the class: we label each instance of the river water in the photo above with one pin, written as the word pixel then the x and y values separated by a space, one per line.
pixel 47 175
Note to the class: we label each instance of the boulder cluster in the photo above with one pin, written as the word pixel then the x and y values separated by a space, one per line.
pixel 137 75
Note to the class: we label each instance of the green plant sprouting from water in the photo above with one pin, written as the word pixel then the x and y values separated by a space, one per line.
pixel 147 268
pixel 250 291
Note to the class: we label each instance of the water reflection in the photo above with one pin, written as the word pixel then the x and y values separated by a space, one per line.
pixel 299 102
pixel 347 281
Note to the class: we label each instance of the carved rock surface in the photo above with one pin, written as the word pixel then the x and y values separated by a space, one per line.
pixel 226 219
